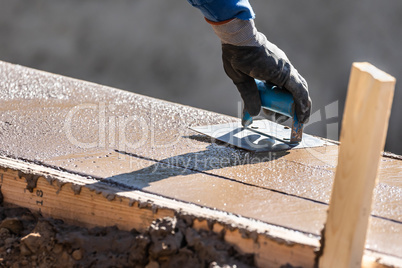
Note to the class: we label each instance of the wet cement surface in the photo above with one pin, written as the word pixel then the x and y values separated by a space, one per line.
pixel 146 144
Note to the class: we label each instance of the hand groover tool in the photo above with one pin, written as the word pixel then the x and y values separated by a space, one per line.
pixel 280 101
pixel 265 135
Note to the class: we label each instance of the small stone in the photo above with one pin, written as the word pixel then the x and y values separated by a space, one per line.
pixel 9 241
pixel 77 254
pixel 152 264
pixel 64 257
pixel 15 265
pixel 4 233
pixel 28 217
pixel 58 248
pixel 25 251
pixel 12 224
pixel 32 241
pixel 24 262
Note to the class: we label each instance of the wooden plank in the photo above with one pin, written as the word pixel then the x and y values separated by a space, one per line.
pixel 90 207
pixel 364 129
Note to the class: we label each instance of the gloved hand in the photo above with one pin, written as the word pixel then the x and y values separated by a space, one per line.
pixel 247 54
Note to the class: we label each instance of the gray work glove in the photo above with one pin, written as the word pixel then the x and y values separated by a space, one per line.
pixel 247 54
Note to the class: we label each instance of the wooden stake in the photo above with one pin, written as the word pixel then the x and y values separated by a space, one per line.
pixel 364 129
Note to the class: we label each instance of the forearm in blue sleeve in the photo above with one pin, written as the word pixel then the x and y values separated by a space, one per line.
pixel 221 10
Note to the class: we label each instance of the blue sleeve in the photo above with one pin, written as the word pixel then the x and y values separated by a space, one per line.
pixel 220 10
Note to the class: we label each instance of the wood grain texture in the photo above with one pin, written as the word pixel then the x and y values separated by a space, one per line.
pixel 90 208
pixel 364 129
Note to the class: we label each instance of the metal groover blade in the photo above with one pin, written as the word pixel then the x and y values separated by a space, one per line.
pixel 261 136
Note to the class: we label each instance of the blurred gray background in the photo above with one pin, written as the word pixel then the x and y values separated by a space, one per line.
pixel 165 49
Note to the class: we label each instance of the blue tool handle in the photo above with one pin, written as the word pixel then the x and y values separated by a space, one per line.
pixel 276 99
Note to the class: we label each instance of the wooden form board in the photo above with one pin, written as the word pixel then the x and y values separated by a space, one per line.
pixel 364 129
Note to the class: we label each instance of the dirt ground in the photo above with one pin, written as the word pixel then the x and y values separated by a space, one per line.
pixel 29 240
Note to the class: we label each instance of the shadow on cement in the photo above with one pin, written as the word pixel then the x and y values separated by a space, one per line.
pixel 217 156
